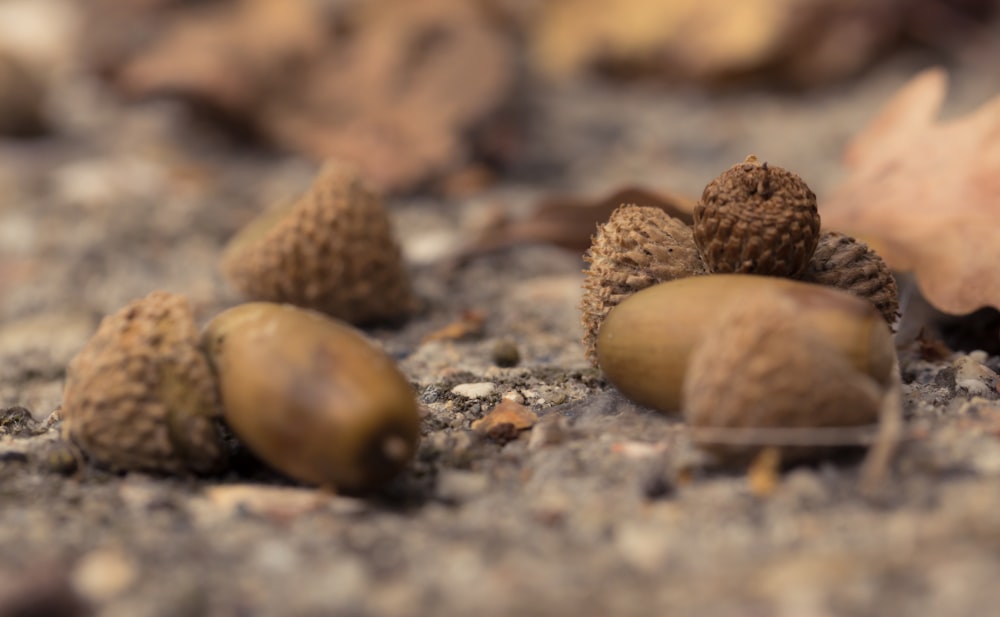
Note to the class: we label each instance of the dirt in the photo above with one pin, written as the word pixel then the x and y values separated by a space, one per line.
pixel 601 508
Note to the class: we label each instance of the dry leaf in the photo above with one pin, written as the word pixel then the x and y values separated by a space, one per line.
pixel 228 56
pixel 404 89
pixel 803 41
pixel 469 324
pixel 569 221
pixel 401 94
pixel 924 193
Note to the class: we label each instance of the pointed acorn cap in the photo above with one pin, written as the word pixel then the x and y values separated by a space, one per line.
pixel 140 395
pixel 331 250
pixel 756 218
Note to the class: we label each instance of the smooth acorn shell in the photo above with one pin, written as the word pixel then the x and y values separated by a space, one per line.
pixel 645 344
pixel 311 396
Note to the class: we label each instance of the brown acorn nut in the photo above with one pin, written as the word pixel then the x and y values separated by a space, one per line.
pixel 645 344
pixel 331 250
pixel 311 396
pixel 757 219
pixel 636 248
pixel 842 262
pixel 764 376
pixel 140 394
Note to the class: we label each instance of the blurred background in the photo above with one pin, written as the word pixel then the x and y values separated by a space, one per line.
pixel 450 94
pixel 137 135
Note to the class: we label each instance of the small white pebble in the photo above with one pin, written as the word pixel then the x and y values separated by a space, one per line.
pixel 474 390
pixel 104 574
pixel 979 356
pixel 274 556
pixel 513 396
pixel 456 485
pixel 973 376
pixel 428 247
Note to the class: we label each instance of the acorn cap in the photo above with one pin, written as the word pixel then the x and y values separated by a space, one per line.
pixel 636 248
pixel 762 376
pixel 845 263
pixel 331 250
pixel 757 219
pixel 141 395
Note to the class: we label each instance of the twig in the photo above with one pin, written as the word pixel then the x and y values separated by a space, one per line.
pixel 875 469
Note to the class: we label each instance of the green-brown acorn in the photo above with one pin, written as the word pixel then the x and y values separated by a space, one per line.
pixel 645 344
pixel 311 396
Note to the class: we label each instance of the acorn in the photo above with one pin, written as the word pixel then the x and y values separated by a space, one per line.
pixel 636 248
pixel 757 218
pixel 765 376
pixel 844 263
pixel 311 396
pixel 645 344
pixel 331 250
pixel 140 394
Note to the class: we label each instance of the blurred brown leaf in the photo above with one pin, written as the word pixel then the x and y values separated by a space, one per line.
pixel 802 41
pixel 229 56
pixel 401 94
pixel 470 324
pixel 399 87
pixel 924 193
pixel 570 221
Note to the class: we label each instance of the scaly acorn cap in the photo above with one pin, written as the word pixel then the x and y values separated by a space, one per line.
pixel 140 395
pixel 841 261
pixel 636 248
pixel 331 250
pixel 762 376
pixel 757 219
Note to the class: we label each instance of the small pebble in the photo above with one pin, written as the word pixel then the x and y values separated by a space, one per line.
pixel 642 546
pixel 456 486
pixel 104 574
pixel 507 412
pixel 505 353
pixel 657 482
pixel 274 556
pixel 16 421
pixel 474 390
pixel 513 396
pixel 974 377
pixel 60 459
pixel 551 430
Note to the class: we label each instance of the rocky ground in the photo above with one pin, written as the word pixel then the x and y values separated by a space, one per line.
pixel 600 508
